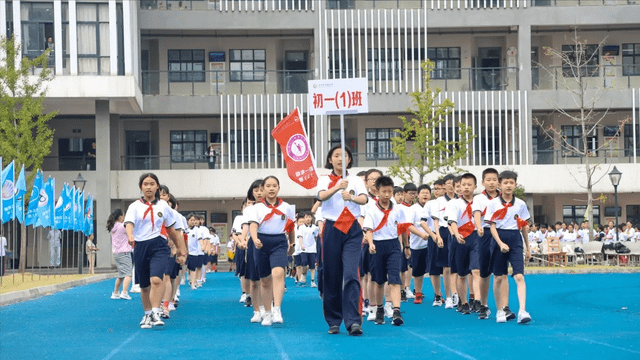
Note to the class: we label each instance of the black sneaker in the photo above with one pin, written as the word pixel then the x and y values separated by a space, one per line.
pixel 397 318
pixel 380 316
pixel 247 302
pixel 510 315
pixel 465 309
pixel 355 330
pixel 484 312
pixel 475 306
pixel 458 307
pixel 403 296
pixel 335 329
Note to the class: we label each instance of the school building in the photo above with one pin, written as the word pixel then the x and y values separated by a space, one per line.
pixel 156 83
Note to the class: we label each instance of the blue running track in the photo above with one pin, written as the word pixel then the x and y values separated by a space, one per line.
pixel 593 316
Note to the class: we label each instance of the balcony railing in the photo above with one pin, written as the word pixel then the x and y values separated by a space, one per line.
pixel 596 76
pixel 583 2
pixel 476 79
pixel 228 5
pixel 62 163
pixel 607 156
pixel 220 82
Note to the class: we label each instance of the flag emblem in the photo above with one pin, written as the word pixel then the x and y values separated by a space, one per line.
pixel 159 214
pixel 7 190
pixel 297 148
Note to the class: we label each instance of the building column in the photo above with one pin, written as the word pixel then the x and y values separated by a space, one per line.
pixel 113 38
pixel 73 34
pixel 3 19
pixel 57 31
pixel 103 181
pixel 524 56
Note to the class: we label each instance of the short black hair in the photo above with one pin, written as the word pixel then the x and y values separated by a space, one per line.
pixel 165 189
pixel 488 171
pixel 508 174
pixel 558 223
pixel 371 171
pixel 299 216
pixel 439 182
pixel 424 187
pixel 172 202
pixel 330 154
pixel 410 187
pixel 469 176
pixel 361 173
pixel 545 225
pixel 397 189
pixel 447 178
pixel 457 179
pixel 384 181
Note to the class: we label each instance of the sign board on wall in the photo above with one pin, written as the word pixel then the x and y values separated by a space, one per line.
pixel 221 231
pixel 336 96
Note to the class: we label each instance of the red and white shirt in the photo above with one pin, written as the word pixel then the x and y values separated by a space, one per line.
pixel 507 215
pixel 272 219
pixel 480 203
pixel 460 211
pixel 332 207
pixel 386 224
pixel 148 218
pixel 440 210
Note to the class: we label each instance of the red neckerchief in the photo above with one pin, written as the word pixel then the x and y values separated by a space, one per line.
pixel 386 212
pixel 501 213
pixel 334 179
pixel 406 204
pixel 484 192
pixel 274 209
pixel 373 197
pixel 467 211
pixel 149 210
pixel 467 228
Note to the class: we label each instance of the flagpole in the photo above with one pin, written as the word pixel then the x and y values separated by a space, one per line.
pixel 344 163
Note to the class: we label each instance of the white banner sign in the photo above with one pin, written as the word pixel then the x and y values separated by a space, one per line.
pixel 338 96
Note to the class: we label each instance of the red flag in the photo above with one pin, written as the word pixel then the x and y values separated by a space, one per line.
pixel 297 153
pixel 344 221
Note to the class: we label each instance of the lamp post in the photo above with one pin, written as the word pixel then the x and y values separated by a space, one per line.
pixel 79 183
pixel 615 176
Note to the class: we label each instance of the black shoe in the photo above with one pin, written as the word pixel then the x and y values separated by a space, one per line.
pixel 475 306
pixel 247 302
pixel 484 312
pixel 397 318
pixel 466 310
pixel 380 316
pixel 355 330
pixel 335 329
pixel 403 296
pixel 458 307
pixel 510 315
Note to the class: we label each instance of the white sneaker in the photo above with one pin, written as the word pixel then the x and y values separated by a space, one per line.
pixel 437 301
pixel 123 296
pixel 313 284
pixel 171 307
pixel 115 296
pixel 456 300
pixel 135 289
pixel 182 281
pixel 410 294
pixel 193 287
pixel 523 317
pixel 178 293
pixel 156 320
pixel 262 311
pixel 146 322
pixel 256 317
pixel 501 316
pixel 372 316
pixel 243 298
pixel 266 319
pixel 388 310
pixel 448 303
pixel 277 315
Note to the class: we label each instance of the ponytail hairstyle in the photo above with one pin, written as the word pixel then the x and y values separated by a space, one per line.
pixel 154 177
pixel 113 217
pixel 172 202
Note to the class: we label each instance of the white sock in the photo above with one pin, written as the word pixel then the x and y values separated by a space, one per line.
pixel 155 309
pixel 147 312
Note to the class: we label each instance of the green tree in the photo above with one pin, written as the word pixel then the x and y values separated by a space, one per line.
pixel 419 149
pixel 24 134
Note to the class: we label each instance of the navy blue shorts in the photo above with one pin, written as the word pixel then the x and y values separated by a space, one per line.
pixel 151 260
pixel 309 259
pixel 272 254
pixel 176 269
pixel 515 255
pixel 485 263
pixel 404 263
pixel 442 259
pixel 214 259
pixel 193 262
pixel 463 254
pixel 432 258
pixel 453 245
pixel 419 262
pixel 365 260
pixel 298 259
pixel 252 270
pixel 385 263
pixel 241 265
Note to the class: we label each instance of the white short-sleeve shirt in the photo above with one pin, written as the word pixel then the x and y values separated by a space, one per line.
pixel 309 235
pixel 276 224
pixel 147 227
pixel 214 240
pixel 193 235
pixel 456 212
pixel 509 222
pixel 389 231
pixel 332 207
pixel 480 203
pixel 416 213
pixel 298 242
pixel 236 228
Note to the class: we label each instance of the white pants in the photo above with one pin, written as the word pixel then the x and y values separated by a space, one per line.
pixel 54 259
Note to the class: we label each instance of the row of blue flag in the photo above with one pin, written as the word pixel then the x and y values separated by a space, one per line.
pixel 68 213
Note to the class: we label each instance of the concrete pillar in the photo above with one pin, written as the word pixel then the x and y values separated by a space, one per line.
pixel 524 56
pixel 103 182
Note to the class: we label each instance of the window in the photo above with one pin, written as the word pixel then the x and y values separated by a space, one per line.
pixel 633 214
pixel 245 141
pixel 587 55
pixel 628 139
pixel 37 26
pixel 388 64
pixel 573 137
pixel 343 63
pixel 447 62
pixel 247 65
pixel 186 65
pixel 577 213
pixel 379 144
pixel 340 4
pixel 93 39
pixel 9 18
pixel 542 147
pixel 631 59
pixel 188 145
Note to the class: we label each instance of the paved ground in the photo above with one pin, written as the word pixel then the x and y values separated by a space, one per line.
pixel 575 316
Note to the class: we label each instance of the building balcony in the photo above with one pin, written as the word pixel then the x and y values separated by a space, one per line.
pixel 594 77
pixel 604 156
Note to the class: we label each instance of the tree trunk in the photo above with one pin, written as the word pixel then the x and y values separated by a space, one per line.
pixel 23 248
pixel 589 201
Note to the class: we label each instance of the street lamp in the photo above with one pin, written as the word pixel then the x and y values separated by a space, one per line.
pixel 79 183
pixel 615 176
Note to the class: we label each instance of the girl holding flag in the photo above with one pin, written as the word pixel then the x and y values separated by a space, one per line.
pixel 143 223
pixel 341 243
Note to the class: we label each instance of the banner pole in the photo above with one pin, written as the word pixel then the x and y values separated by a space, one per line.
pixel 344 163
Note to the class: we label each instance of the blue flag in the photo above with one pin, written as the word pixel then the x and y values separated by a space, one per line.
pixel 21 190
pixel 78 222
pixel 32 211
pixel 45 216
pixel 67 206
pixel 88 229
pixel 8 192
